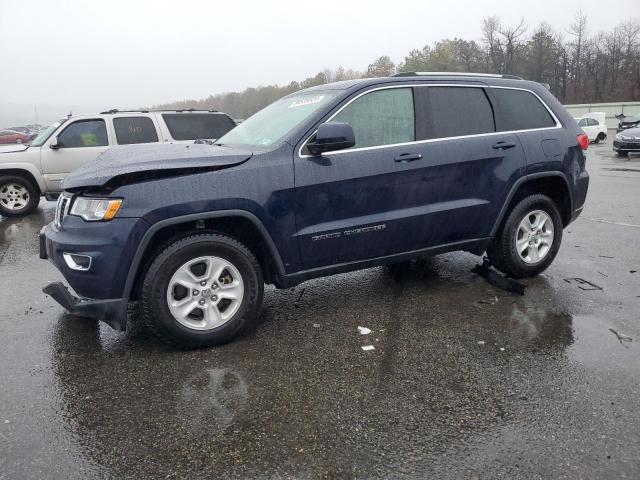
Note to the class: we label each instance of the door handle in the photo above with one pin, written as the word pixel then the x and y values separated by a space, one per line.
pixel 408 157
pixel 503 145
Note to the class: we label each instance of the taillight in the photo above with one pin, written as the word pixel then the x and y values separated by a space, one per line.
pixel 583 141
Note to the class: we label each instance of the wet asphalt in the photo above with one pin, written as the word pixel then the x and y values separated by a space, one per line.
pixel 465 381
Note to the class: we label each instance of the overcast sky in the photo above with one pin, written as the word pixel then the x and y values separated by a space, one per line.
pixel 135 53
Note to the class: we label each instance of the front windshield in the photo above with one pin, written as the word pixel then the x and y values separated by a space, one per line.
pixel 45 134
pixel 276 120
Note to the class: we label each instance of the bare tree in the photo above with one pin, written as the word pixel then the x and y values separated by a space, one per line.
pixel 511 41
pixel 578 29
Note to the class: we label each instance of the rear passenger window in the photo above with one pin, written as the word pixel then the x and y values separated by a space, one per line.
pixel 457 111
pixel 520 110
pixel 134 130
pixel 382 117
pixel 192 126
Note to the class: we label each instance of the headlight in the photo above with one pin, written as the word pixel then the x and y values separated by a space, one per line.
pixel 93 209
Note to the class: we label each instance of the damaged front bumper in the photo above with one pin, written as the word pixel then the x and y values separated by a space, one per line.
pixel 112 311
pixel 98 286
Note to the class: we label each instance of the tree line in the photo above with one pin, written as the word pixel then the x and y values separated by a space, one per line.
pixel 579 66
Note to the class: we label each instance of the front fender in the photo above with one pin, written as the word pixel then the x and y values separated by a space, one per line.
pixel 146 240
pixel 29 168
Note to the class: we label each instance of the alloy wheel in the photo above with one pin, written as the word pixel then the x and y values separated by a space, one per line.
pixel 205 293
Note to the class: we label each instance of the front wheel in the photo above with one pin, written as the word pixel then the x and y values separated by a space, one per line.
pixel 202 290
pixel 529 239
pixel 18 196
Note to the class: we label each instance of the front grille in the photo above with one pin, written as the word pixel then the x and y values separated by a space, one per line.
pixel 64 201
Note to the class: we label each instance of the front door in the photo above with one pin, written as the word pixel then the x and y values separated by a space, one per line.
pixel 78 143
pixel 350 203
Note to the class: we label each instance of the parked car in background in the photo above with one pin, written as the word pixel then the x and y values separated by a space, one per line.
pixel 628 122
pixel 333 178
pixel 31 171
pixel 12 136
pixel 627 141
pixel 594 124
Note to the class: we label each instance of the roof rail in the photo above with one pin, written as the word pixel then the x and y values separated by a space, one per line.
pixel 180 110
pixel 456 74
pixel 115 110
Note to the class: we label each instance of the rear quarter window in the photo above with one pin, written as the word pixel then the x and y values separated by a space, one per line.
pixel 191 126
pixel 519 110
pixel 131 130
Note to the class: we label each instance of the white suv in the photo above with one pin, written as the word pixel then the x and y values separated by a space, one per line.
pixel 29 171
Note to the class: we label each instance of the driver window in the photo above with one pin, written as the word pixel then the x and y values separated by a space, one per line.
pixel 382 117
pixel 84 133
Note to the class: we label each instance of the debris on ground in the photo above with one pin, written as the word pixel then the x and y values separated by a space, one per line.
pixel 296 304
pixel 490 301
pixel 481 342
pixel 583 284
pixel 367 348
pixel 496 279
pixel 316 325
pixel 632 271
pixel 622 338
pixel 603 274
pixel 364 331
pixel 605 256
pixel 502 349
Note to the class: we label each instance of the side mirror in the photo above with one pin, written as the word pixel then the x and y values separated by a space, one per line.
pixel 332 136
pixel 55 144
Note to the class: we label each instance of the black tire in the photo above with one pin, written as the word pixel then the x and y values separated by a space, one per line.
pixel 30 203
pixel 622 154
pixel 153 295
pixel 601 137
pixel 502 252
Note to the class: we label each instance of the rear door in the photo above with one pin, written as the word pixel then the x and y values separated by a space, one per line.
pixel 466 167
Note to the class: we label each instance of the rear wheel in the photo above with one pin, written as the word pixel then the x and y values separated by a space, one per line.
pixel 18 196
pixel 202 290
pixel 529 239
pixel 602 137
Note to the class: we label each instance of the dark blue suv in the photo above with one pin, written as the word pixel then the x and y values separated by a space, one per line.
pixel 329 179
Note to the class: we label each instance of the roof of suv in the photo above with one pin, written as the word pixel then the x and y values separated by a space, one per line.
pixel 486 78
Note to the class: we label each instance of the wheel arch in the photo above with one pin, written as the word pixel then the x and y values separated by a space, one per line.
pixel 25 172
pixel 240 224
pixel 552 184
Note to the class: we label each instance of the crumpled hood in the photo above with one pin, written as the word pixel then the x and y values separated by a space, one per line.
pixel 119 163
pixel 630 132
pixel 13 147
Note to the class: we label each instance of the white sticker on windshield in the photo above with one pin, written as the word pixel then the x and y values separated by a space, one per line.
pixel 306 101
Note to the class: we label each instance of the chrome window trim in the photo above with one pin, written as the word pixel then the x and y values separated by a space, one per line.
pixel 558 125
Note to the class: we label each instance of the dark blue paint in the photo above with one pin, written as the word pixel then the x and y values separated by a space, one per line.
pixel 452 195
